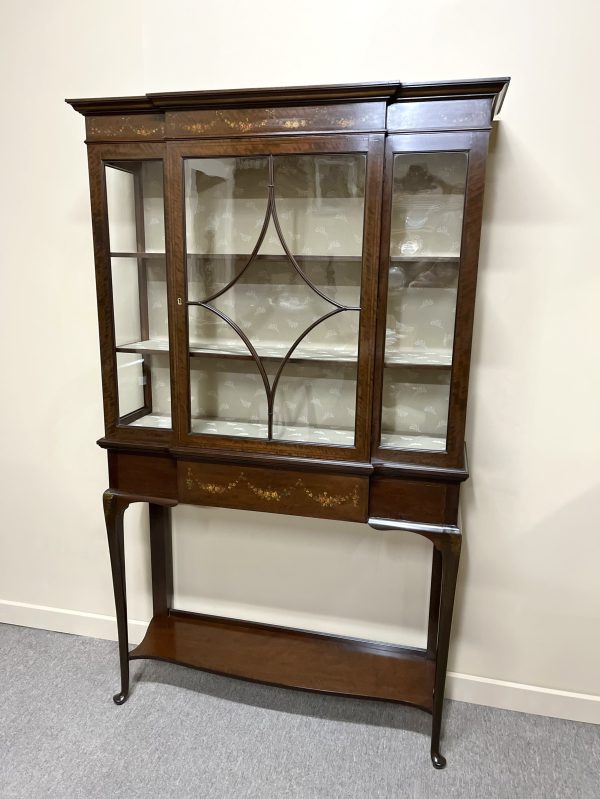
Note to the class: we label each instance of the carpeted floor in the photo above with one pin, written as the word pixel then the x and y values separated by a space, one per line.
pixel 185 734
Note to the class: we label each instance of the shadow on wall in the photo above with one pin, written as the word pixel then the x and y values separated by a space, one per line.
pixel 529 570
pixel 327 575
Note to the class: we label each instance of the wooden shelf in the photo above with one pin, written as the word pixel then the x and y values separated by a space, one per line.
pixel 292 658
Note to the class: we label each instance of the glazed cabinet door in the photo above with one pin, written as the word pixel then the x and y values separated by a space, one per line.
pixel 275 254
pixel 128 211
pixel 430 240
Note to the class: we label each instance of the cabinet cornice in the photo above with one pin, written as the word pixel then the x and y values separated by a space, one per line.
pixel 391 92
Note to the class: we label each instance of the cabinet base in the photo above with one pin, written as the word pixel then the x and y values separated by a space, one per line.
pixel 291 658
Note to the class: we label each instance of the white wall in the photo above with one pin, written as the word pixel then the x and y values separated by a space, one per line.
pixel 528 611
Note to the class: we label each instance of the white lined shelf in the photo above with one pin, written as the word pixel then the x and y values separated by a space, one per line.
pixel 419 358
pixel 277 351
pixel 153 420
pixel 150 346
pixel 301 433
pixel 416 442
pixel 242 429
pixel 343 355
pixel 138 255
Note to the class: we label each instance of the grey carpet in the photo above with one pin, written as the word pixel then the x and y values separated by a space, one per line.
pixel 185 734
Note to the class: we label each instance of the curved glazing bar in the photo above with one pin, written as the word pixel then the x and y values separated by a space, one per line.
pixel 242 335
pixel 300 271
pixel 253 255
pixel 262 304
pixel 300 338
pixel 271 212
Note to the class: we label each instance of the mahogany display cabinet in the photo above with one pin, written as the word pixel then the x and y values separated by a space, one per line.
pixel 286 284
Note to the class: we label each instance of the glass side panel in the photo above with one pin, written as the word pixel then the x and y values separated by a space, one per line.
pixel 120 197
pixel 425 243
pixel 134 192
pixel 415 408
pixel 274 261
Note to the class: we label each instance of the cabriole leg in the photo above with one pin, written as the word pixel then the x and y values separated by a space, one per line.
pixel 448 547
pixel 114 509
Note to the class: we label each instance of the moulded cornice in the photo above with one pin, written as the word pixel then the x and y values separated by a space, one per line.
pixel 390 92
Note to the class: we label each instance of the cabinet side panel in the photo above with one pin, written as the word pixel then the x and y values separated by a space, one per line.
pixel 132 127
pixel 414 115
pixel 467 284
pixel 144 475
pixel 103 287
pixel 410 500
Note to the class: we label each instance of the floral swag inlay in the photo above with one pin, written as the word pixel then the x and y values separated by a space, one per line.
pixel 323 498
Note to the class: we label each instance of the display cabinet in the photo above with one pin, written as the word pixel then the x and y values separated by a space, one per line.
pixel 286 284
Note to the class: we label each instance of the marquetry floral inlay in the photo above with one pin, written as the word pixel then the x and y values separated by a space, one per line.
pixel 323 498
pixel 328 500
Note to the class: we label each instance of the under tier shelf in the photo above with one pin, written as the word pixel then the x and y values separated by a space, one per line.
pixel 238 350
pixel 291 658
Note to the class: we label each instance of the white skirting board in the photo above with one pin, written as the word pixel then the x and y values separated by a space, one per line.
pixel 462 687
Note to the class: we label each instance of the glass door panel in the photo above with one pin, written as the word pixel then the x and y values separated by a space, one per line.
pixel 134 194
pixel 274 261
pixel 428 196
